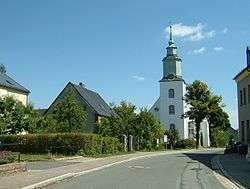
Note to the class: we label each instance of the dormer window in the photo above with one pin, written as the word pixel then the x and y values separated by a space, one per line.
pixel 171 93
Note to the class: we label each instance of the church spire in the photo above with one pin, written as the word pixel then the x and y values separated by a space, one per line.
pixel 171 62
pixel 171 41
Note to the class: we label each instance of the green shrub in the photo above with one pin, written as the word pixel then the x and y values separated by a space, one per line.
pixel 220 138
pixel 185 143
pixel 63 143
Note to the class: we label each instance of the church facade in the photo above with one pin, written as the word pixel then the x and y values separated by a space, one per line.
pixel 170 106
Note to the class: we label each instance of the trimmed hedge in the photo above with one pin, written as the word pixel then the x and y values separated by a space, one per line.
pixel 185 144
pixel 64 143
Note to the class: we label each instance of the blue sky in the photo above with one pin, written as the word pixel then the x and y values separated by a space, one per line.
pixel 116 47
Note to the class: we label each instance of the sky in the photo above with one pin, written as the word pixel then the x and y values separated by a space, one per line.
pixel 116 47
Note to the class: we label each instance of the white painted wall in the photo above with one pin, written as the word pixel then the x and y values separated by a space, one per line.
pixel 166 118
pixel 22 97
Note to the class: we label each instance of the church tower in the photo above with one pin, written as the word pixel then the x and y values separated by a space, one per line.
pixel 170 106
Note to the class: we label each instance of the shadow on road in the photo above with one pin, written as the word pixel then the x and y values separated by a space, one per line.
pixel 204 158
pixel 238 169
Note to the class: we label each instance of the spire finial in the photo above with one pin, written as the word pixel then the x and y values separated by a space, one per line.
pixel 171 41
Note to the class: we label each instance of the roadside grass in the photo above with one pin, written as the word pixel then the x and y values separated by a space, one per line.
pixel 108 155
pixel 39 157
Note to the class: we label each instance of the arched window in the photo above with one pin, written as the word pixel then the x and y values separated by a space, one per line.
pixel 172 126
pixel 171 109
pixel 171 93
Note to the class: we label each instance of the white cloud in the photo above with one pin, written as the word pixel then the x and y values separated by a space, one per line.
pixel 138 78
pixel 193 33
pixel 225 30
pixel 218 49
pixel 199 51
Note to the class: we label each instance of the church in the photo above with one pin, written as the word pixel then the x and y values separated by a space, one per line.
pixel 170 106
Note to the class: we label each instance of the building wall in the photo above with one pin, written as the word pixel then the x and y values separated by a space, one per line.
pixel 22 97
pixel 244 110
pixel 178 102
pixel 204 132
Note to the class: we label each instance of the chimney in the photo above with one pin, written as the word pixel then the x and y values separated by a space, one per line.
pixel 81 84
pixel 248 56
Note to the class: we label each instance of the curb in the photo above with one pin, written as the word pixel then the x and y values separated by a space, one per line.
pixel 225 179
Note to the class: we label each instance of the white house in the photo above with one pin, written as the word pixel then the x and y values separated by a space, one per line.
pixel 9 87
pixel 170 106
pixel 243 92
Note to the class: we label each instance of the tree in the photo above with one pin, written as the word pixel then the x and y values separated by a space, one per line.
pixel 197 98
pixel 69 115
pixel 147 129
pixel 122 122
pixel 217 117
pixel 220 137
pixel 143 126
pixel 15 117
pixel 173 136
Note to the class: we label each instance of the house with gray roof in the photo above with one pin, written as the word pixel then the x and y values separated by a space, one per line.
pixel 9 87
pixel 94 105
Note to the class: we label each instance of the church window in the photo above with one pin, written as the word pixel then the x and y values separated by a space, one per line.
pixel 171 93
pixel 172 126
pixel 190 130
pixel 171 109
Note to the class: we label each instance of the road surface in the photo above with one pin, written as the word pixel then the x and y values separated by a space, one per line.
pixel 181 171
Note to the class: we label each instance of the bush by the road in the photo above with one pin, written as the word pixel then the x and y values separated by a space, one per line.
pixel 185 144
pixel 220 137
pixel 64 143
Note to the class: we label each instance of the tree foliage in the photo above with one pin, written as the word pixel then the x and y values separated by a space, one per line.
pixel 67 115
pixel 197 98
pixel 143 126
pixel 173 136
pixel 204 105
pixel 15 117
pixel 220 137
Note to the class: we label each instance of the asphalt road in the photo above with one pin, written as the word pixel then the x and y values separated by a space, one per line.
pixel 181 171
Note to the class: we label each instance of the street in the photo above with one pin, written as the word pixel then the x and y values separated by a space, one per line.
pixel 187 170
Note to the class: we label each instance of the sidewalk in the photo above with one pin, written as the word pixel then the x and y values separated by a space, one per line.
pixel 237 167
pixel 47 171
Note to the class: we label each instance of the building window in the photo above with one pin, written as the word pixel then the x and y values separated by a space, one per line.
pixel 190 130
pixel 242 131
pixel 244 96
pixel 248 93
pixel 172 126
pixel 248 131
pixel 171 109
pixel 241 99
pixel 171 93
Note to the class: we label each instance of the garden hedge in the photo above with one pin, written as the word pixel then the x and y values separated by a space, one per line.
pixel 185 144
pixel 64 143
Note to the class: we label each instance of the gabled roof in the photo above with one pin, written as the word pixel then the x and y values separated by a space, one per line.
pixel 243 73
pixel 94 100
pixel 8 82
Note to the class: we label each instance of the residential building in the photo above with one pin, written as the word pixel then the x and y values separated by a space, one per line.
pixel 170 106
pixel 94 105
pixel 243 94
pixel 9 87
